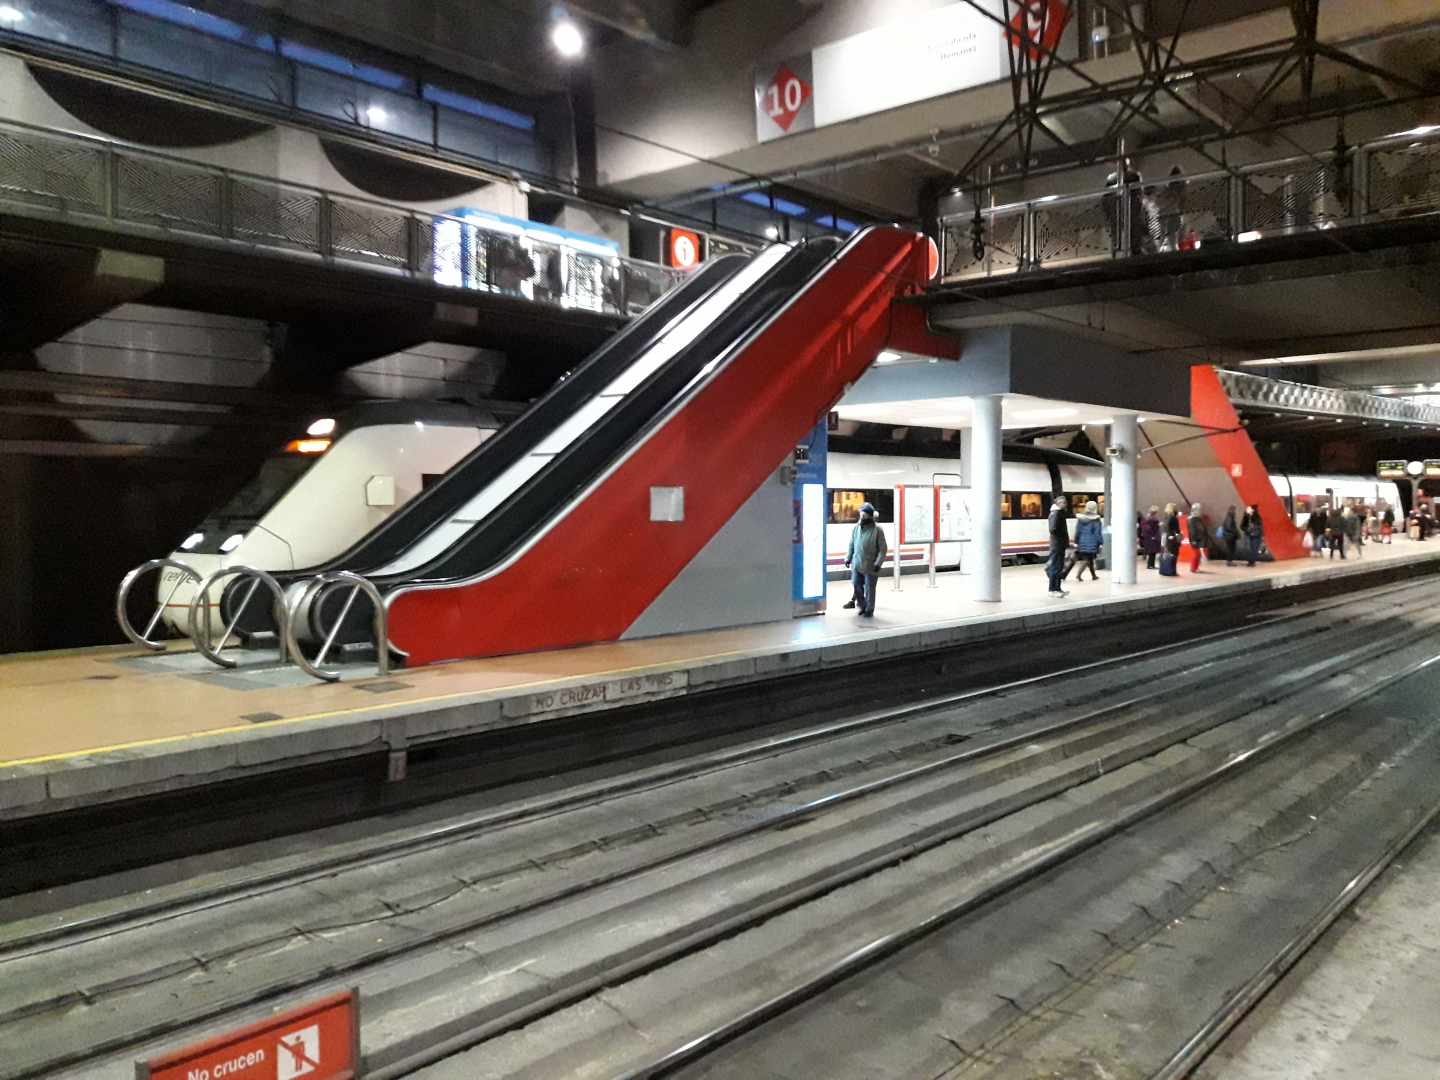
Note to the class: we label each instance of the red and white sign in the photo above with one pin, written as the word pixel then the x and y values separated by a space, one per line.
pixel 782 98
pixel 685 251
pixel 318 1041
pixel 1042 22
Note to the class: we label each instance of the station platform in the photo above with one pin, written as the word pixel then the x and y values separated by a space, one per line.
pixel 87 727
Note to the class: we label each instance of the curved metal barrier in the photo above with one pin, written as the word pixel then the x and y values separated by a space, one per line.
pixel 122 595
pixel 201 637
pixel 358 585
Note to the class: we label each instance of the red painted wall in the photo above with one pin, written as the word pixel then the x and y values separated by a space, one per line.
pixel 1210 406
pixel 597 569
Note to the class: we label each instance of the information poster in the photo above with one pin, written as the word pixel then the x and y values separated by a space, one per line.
pixel 953 514
pixel 917 514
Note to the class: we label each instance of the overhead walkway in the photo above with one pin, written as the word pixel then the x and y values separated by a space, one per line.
pixel 1383 181
pixel 127 223
pixel 1298 257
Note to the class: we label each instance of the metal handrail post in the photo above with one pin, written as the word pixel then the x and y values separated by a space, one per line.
pixel 302 601
pixel 128 582
pixel 202 598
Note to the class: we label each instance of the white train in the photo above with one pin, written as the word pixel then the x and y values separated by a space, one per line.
pixel 1027 489
pixel 325 490
pixel 1301 494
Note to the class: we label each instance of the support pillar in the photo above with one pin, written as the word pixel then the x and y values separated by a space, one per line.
pixel 1124 434
pixel 986 455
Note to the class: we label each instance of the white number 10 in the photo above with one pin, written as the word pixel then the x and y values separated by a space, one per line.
pixel 793 94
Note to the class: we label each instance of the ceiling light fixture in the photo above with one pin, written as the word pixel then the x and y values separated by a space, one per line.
pixel 569 42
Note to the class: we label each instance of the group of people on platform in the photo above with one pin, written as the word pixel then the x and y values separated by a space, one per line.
pixel 1348 528
pixel 1159 536
pixel 1240 534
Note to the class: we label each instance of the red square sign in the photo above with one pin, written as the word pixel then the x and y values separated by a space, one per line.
pixel 784 96
pixel 684 251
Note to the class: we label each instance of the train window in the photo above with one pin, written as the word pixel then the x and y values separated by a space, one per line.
pixel 845 507
pixel 1032 505
pixel 883 499
pixel 1005 505
pixel 275 477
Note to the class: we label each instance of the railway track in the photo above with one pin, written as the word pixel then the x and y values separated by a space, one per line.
pixel 490 931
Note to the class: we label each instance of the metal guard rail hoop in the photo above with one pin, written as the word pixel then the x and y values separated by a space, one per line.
pixel 201 636
pixel 302 601
pixel 123 593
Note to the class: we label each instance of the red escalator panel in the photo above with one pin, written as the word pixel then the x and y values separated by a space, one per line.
pixel 596 569
pixel 1211 406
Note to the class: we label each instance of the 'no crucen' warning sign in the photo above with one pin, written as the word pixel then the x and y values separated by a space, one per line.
pixel 319 1041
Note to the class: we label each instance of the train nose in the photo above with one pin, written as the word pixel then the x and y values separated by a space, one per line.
pixel 177 592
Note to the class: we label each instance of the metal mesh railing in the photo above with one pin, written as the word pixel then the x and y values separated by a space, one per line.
pixel 130 187
pixel 1393 177
pixel 52 173
pixel 1293 196
pixel 1078 230
pixel 1404 180
pixel 274 215
pixel 1004 246
pixel 1259 392
pixel 169 195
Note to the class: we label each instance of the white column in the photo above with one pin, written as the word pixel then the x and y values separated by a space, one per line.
pixel 1124 432
pixel 985 460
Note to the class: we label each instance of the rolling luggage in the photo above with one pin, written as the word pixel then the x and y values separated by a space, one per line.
pixel 1168 564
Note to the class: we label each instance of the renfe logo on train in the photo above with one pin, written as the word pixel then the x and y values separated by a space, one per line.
pixel 318 1041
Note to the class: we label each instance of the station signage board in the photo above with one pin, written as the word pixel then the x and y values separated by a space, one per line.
pixel 685 249
pixel 1390 470
pixel 923 55
pixel 318 1041
pixel 1432 467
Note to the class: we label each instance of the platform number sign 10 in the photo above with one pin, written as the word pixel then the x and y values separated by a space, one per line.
pixel 784 96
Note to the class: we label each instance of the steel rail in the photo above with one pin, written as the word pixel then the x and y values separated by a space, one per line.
pixel 1084 839
pixel 90 929
pixel 567 995
pixel 1241 1000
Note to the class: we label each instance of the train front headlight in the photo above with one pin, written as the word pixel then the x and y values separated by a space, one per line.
pixel 232 541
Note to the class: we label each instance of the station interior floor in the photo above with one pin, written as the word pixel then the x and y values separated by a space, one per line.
pixel 70 704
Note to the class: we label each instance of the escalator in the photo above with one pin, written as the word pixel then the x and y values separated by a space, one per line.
pixel 578 551
pixel 518 495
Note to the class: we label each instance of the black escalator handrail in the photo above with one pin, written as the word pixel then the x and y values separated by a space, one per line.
pixel 492 457
pixel 493 541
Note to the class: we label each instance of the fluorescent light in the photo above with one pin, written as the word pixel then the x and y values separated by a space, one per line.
pixel 323 426
pixel 10 14
pixel 376 115
pixel 887 357
pixel 193 540
pixel 1248 236
pixel 569 42
pixel 232 542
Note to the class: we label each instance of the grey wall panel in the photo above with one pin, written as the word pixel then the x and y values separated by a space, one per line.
pixel 741 576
